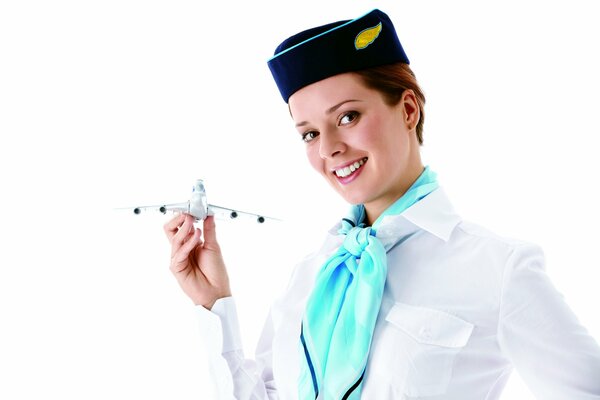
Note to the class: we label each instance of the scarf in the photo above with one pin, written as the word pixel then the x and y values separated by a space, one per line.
pixel 340 315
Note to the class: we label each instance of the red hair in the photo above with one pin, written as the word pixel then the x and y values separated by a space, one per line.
pixel 391 81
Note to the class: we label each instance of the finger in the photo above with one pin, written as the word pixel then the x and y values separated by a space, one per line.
pixel 183 253
pixel 183 233
pixel 210 233
pixel 191 234
pixel 173 225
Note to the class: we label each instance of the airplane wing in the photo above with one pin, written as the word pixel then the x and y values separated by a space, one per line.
pixel 219 212
pixel 163 208
pixel 229 213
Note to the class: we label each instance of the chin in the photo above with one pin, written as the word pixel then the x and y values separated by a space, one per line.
pixel 352 197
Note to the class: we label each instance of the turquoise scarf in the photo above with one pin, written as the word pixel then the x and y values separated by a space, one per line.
pixel 342 309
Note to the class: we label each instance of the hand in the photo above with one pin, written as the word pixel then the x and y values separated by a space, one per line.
pixel 198 266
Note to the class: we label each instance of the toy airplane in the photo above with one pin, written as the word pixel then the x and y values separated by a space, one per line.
pixel 198 207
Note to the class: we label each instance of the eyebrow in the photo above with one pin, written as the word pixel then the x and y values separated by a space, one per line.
pixel 329 110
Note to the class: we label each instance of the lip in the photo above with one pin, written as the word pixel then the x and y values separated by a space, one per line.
pixel 347 179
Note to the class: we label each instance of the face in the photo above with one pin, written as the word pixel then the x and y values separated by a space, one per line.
pixel 365 149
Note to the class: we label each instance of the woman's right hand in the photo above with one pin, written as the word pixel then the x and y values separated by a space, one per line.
pixel 197 265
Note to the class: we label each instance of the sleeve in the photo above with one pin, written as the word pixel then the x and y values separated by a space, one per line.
pixel 553 353
pixel 234 376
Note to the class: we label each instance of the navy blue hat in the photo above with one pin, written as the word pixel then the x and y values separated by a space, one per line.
pixel 335 48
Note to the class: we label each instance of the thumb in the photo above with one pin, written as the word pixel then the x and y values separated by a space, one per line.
pixel 210 233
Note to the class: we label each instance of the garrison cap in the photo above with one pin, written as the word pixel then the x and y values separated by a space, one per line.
pixel 335 48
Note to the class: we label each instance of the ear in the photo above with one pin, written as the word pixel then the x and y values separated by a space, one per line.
pixel 411 112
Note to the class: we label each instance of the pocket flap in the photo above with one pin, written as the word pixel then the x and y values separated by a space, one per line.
pixel 430 326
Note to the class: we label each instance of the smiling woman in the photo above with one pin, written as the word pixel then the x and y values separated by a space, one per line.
pixel 106 104
pixel 405 298
pixel 360 136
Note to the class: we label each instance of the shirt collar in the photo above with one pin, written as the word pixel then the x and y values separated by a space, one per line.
pixel 434 213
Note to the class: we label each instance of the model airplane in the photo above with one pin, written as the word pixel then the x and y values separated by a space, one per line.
pixel 198 207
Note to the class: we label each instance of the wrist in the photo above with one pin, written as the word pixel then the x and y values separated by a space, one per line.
pixel 210 304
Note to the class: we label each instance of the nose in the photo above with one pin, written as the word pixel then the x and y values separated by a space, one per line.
pixel 330 145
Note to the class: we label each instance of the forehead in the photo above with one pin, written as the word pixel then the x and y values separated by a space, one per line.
pixel 328 92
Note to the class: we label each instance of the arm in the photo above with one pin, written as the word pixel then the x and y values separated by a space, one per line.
pixel 200 271
pixel 554 354
pixel 236 377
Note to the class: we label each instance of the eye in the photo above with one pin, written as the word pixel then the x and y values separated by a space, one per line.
pixel 348 118
pixel 309 136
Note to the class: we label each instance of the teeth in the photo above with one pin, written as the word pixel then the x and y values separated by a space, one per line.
pixel 344 172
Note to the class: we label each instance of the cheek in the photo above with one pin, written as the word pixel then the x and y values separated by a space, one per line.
pixel 315 161
pixel 371 134
pixel 384 137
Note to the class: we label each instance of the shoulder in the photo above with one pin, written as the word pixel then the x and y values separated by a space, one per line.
pixel 468 230
pixel 506 250
pixel 305 270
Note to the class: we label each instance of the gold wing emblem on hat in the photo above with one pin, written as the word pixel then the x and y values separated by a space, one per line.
pixel 366 37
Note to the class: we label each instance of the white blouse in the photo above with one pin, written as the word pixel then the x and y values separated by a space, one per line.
pixel 462 306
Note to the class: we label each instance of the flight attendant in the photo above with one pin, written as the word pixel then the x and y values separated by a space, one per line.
pixel 404 299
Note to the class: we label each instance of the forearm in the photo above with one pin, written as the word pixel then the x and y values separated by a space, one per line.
pixel 235 376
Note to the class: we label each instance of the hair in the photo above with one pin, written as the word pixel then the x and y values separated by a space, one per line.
pixel 391 81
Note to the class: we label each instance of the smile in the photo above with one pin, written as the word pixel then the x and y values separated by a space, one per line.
pixel 350 169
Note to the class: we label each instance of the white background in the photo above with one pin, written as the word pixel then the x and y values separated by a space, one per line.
pixel 106 104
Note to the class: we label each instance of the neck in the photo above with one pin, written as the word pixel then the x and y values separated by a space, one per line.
pixel 375 208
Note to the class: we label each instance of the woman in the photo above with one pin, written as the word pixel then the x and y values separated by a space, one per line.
pixel 404 299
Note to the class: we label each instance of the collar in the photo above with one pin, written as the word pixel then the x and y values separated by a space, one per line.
pixel 434 214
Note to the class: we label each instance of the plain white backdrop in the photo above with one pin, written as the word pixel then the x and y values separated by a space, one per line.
pixel 108 104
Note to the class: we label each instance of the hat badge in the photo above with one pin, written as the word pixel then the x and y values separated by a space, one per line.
pixel 367 36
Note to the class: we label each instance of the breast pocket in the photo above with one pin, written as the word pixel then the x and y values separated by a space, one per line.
pixel 431 339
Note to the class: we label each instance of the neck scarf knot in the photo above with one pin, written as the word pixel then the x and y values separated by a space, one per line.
pixel 357 240
pixel 341 311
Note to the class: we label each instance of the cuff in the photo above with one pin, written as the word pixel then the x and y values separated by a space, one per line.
pixel 221 322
